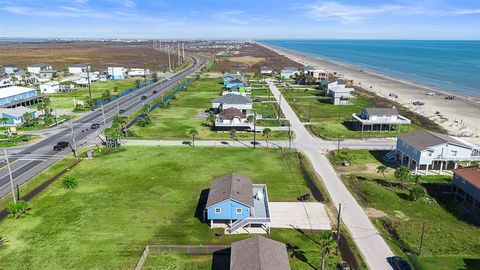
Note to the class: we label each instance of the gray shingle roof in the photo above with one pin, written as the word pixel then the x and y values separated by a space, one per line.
pixel 382 111
pixel 80 65
pixel 259 253
pixel 424 139
pixel 233 99
pixel 17 111
pixel 234 186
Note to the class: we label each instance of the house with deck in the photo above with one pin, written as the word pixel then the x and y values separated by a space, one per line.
pixel 380 119
pixel 259 253
pixel 79 68
pixel 235 203
pixel 49 87
pixel 116 73
pixel 466 186
pixel 38 67
pixel 266 71
pixel 340 94
pixel 288 72
pixel 14 96
pixel 229 100
pixel 232 118
pixel 10 69
pixel 426 150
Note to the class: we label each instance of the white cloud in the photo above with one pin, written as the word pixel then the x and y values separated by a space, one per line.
pixel 232 17
pixel 467 11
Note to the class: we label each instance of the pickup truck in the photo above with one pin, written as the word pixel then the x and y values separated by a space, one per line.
pixel 60 146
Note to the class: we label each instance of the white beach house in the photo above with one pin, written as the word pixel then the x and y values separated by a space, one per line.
pixel 79 68
pixel 427 150
pixel 38 67
pixel 50 87
pixel 380 119
pixel 340 94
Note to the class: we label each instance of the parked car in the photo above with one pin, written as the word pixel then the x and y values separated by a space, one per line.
pixel 121 111
pixel 393 95
pixel 398 263
pixel 94 125
pixel 431 94
pixel 450 97
pixel 154 92
pixel 418 103
pixel 60 146
pixel 143 97
pixel 343 265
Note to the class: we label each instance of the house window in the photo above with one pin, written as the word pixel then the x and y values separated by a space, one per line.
pixel 218 210
pixel 454 153
pixel 239 211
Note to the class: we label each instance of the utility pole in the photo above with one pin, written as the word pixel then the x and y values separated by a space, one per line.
pixel 103 114
pixel 89 88
pixel 183 52
pixel 178 55
pixel 289 136
pixel 169 60
pixel 74 149
pixel 338 146
pixel 254 129
pixel 421 240
pixel 338 227
pixel 10 175
pixel 279 106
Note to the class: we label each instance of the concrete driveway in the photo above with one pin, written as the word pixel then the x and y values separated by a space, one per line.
pixel 308 215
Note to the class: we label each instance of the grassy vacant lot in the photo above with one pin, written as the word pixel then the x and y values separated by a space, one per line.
pixel 144 195
pixel 330 121
pixel 171 261
pixel 16 140
pixel 65 100
pixel 187 111
pixel 449 243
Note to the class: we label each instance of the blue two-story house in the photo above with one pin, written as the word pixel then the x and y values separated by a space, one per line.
pixel 235 201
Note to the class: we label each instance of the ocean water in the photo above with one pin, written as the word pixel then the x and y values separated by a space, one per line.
pixel 449 65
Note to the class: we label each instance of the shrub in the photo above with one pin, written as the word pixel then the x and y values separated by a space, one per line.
pixel 18 209
pixel 416 193
pixel 144 121
pixel 70 182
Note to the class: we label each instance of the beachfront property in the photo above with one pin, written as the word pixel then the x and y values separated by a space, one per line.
pixel 116 73
pixel 10 69
pixel 267 71
pixel 46 74
pixel 316 73
pixel 426 150
pixel 380 119
pixel 259 253
pixel 38 67
pixel 5 81
pixel 230 100
pixel 49 87
pixel 236 204
pixel 15 96
pixel 288 72
pixel 340 94
pixel 232 118
pixel 466 186
pixel 16 116
pixel 138 72
pixel 79 68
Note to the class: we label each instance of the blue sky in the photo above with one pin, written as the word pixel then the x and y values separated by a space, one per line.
pixel 267 19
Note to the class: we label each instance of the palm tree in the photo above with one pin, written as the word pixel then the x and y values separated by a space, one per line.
pixel 211 119
pixel 137 83
pixel 146 109
pixel 232 133
pixel 18 209
pixel 193 132
pixel 381 169
pixel 402 174
pixel 123 122
pixel 113 134
pixel 327 246
pixel 266 132
pixel 418 178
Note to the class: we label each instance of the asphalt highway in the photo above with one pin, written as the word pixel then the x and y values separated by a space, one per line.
pixel 27 162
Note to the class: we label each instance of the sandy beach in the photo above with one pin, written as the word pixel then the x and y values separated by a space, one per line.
pixel 460 117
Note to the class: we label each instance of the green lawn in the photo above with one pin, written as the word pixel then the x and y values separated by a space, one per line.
pixel 16 140
pixel 187 111
pixel 65 100
pixel 332 121
pixel 172 261
pixel 143 195
pixel 450 243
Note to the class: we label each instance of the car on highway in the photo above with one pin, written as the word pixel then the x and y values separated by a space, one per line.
pixel 94 125
pixel 143 97
pixel 398 263
pixel 154 92
pixel 121 111
pixel 60 146
pixel 418 103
